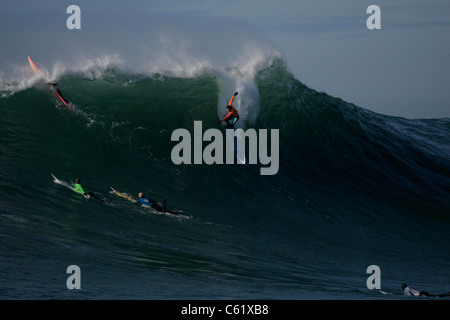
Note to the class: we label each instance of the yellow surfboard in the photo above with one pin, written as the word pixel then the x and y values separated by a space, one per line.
pixel 122 195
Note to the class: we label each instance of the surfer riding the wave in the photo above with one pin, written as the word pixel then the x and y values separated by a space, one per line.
pixel 53 86
pixel 55 89
pixel 233 116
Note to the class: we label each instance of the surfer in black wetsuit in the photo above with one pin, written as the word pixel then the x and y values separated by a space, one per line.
pixel 412 292
pixel 55 89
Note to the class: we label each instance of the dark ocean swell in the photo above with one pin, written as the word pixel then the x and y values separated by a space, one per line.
pixel 354 188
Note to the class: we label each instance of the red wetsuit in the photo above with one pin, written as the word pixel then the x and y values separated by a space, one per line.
pixel 232 113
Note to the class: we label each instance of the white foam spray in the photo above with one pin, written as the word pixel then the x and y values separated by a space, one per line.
pixel 147 44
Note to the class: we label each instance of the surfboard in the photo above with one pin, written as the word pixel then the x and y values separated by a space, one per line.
pixel 122 195
pixel 396 293
pixel 68 185
pixel 171 213
pixel 384 292
pixel 33 66
pixel 58 95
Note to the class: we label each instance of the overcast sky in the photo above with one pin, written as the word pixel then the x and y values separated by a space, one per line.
pixel 401 70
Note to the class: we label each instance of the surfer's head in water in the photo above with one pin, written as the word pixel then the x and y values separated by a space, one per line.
pixel 141 195
pixel 77 181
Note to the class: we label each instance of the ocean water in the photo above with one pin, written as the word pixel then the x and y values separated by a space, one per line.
pixel 354 189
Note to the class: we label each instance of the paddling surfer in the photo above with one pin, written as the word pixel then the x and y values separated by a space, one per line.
pixel 151 203
pixel 81 190
pixel 412 292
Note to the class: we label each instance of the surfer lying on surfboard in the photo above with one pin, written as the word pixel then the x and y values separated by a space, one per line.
pixel 233 116
pixel 412 292
pixel 80 189
pixel 151 203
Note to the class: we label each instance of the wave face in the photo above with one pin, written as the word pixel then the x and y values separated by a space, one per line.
pixel 354 189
